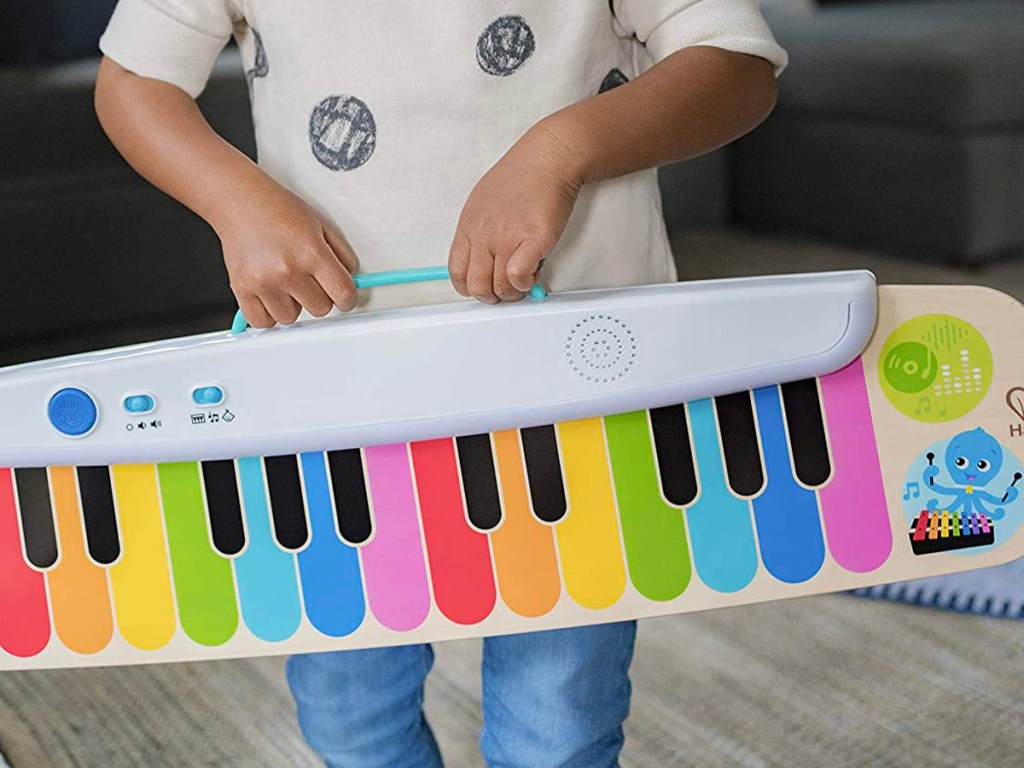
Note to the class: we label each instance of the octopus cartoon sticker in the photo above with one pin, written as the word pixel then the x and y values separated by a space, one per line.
pixel 962 494
pixel 935 368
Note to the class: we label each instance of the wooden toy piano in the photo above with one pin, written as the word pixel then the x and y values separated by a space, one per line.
pixel 616 454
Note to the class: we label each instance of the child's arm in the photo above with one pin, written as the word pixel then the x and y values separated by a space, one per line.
pixel 281 254
pixel 692 102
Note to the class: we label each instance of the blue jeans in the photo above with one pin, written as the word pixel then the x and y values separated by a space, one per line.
pixel 555 698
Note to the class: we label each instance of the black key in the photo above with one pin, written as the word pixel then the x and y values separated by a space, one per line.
pixel 742 451
pixel 479 481
pixel 675 454
pixel 224 506
pixel 287 508
pixel 351 504
pixel 806 427
pixel 101 534
pixel 36 517
pixel 544 473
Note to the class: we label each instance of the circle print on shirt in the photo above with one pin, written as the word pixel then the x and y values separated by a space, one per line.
pixel 935 368
pixel 342 132
pixel 613 79
pixel 505 46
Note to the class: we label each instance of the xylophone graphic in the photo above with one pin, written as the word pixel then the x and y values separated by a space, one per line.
pixel 136 528
pixel 942 531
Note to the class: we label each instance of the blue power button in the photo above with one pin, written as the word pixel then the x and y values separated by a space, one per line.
pixel 72 412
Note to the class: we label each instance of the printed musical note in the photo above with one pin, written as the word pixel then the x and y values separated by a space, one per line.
pixel 924 405
pixel 913 491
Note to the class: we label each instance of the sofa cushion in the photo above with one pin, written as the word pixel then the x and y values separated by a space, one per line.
pixel 50 128
pixel 51 31
pixel 950 63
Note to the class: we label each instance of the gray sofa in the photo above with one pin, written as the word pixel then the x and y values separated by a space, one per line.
pixel 90 250
pixel 900 124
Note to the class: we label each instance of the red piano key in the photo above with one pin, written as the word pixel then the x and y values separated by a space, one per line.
pixel 24 616
pixel 459 557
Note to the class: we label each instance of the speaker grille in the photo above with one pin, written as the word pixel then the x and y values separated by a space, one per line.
pixel 601 348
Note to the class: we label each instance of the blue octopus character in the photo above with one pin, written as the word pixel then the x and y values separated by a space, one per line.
pixel 973 460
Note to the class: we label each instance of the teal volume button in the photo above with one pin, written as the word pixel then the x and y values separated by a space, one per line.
pixel 138 404
pixel 72 412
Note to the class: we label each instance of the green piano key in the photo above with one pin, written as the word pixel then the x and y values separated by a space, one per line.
pixel 654 531
pixel 203 582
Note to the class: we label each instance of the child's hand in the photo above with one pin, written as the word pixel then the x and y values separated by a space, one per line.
pixel 513 218
pixel 283 256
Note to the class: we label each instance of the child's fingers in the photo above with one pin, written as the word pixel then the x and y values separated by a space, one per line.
pixel 282 307
pixel 524 263
pixel 255 313
pixel 504 289
pixel 341 249
pixel 480 279
pixel 337 283
pixel 458 263
pixel 313 297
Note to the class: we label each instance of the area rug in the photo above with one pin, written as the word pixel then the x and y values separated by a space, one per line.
pixel 995 592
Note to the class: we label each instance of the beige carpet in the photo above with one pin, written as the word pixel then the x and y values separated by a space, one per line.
pixel 832 681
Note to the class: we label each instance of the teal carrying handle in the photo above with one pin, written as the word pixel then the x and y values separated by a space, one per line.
pixel 393 277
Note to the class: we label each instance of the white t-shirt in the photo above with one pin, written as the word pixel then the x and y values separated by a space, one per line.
pixel 385 114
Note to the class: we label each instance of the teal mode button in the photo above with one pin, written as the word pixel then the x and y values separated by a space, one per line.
pixel 207 395
pixel 72 412
pixel 137 404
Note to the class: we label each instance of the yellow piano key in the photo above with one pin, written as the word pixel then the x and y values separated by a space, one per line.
pixel 141 579
pixel 589 541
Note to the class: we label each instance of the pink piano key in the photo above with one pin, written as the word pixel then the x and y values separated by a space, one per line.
pixel 853 502
pixel 983 521
pixel 396 575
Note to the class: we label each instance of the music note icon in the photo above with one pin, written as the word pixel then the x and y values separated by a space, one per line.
pixel 924 405
pixel 913 491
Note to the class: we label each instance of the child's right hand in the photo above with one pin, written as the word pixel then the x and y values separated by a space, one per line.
pixel 283 256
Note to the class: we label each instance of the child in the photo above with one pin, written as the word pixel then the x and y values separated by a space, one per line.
pixel 499 134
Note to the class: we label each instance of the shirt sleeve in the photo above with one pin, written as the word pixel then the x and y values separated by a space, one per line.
pixel 176 41
pixel 667 26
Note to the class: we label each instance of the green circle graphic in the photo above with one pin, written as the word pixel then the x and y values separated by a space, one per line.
pixel 935 368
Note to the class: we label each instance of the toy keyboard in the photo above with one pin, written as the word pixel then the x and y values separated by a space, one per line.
pixel 210 497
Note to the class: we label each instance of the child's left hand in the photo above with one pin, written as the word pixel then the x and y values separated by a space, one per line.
pixel 514 217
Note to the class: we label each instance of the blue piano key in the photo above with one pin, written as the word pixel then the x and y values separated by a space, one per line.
pixel 267 584
pixel 786 513
pixel 331 583
pixel 720 528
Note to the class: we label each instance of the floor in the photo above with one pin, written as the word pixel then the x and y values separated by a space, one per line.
pixel 834 680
